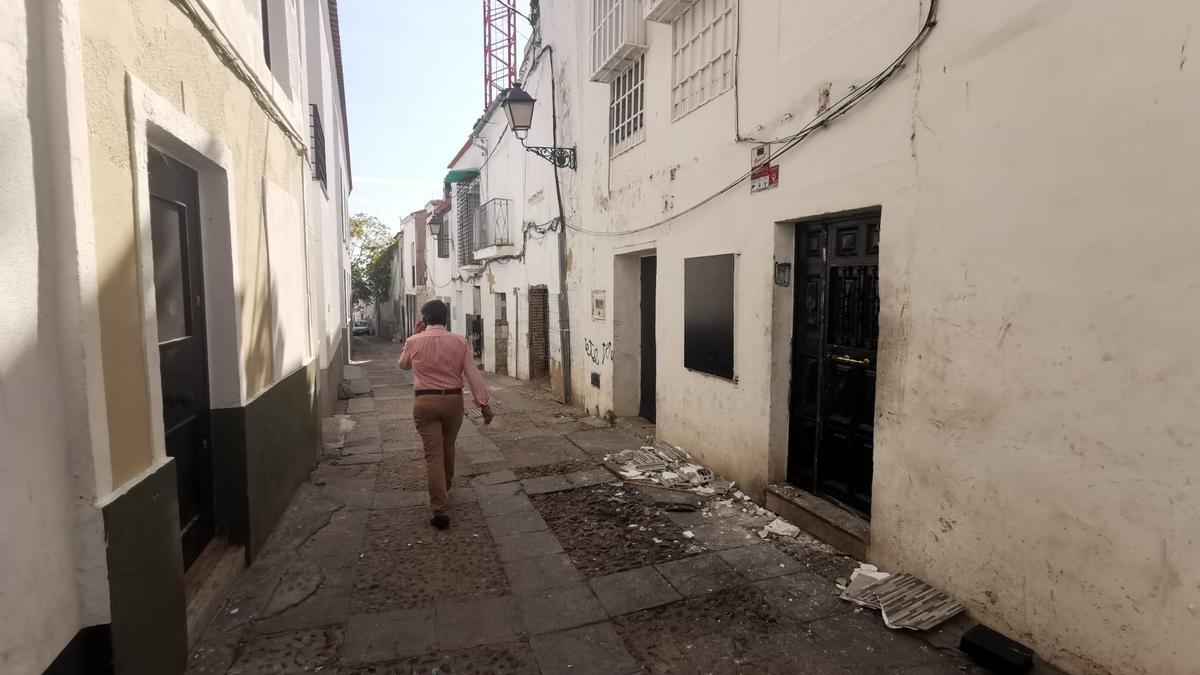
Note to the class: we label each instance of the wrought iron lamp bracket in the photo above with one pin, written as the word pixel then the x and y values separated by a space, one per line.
pixel 563 158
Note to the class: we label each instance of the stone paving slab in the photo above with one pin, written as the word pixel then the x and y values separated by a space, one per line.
pixel 699 575
pixel 559 609
pixel 805 596
pixel 760 562
pixel 478 622
pixel 532 575
pixel 590 650
pixel 494 478
pixel 546 484
pixel 497 490
pixel 635 590
pixel 503 506
pixel 516 523
pixel 387 636
pixel 603 441
pixel 527 545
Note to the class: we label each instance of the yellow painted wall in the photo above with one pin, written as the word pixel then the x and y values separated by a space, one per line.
pixel 156 43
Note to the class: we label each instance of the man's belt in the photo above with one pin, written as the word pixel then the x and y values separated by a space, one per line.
pixel 439 392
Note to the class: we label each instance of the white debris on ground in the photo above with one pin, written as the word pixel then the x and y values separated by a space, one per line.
pixel 903 600
pixel 667 466
pixel 780 527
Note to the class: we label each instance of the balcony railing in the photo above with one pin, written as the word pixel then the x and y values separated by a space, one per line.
pixel 491 224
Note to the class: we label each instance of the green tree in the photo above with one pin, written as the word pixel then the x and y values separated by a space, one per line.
pixel 370 258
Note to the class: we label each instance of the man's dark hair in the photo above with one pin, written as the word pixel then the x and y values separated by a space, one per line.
pixel 435 313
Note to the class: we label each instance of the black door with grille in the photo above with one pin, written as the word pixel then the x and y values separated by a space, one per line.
pixel 183 356
pixel 835 338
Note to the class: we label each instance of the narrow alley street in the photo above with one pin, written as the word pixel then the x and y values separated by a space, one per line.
pixel 550 565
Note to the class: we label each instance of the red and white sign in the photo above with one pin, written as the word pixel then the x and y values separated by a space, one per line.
pixel 765 177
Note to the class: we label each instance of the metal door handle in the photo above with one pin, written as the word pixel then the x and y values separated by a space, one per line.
pixel 853 362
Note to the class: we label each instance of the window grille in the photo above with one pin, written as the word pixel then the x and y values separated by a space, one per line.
pixel 626 115
pixel 318 145
pixel 466 201
pixel 702 59
pixel 618 37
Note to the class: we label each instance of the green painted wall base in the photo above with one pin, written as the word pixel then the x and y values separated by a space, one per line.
pixel 261 454
pixel 145 576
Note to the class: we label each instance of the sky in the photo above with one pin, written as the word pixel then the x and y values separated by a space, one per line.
pixel 414 88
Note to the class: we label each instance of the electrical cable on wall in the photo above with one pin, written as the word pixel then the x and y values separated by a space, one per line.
pixel 223 46
pixel 836 110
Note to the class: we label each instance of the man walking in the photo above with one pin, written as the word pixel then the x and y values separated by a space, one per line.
pixel 440 360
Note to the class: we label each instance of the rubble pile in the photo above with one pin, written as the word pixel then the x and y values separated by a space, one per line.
pixel 904 600
pixel 668 466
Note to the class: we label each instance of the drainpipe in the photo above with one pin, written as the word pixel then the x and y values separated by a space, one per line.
pixel 564 312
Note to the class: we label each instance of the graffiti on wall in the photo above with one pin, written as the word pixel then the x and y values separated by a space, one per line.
pixel 598 353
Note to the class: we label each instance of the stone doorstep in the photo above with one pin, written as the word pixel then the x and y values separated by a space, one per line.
pixel 826 521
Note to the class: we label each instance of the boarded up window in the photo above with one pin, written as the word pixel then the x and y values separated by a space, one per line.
pixel 708 315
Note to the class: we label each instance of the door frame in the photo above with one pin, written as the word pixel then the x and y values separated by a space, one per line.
pixel 156 122
pixel 782 327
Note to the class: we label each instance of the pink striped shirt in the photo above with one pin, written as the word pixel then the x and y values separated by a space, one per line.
pixel 440 359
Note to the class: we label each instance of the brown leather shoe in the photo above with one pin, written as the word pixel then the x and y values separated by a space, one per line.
pixel 440 522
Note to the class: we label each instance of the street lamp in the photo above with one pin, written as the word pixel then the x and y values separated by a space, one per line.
pixel 435 226
pixel 518 106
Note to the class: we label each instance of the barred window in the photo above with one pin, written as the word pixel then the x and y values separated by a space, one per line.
pixel 702 60
pixel 466 201
pixel 626 117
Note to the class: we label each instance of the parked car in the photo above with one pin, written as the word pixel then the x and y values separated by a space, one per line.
pixel 361 327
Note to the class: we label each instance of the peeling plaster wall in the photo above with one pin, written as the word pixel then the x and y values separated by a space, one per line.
pixel 159 45
pixel 1035 445
pixel 727 424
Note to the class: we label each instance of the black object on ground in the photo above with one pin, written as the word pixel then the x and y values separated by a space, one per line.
pixel 995 651
pixel 440 522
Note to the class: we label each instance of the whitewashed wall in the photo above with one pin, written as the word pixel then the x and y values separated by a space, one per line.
pixel 1036 439
pixel 507 171
pixel 52 573
pixel 326 205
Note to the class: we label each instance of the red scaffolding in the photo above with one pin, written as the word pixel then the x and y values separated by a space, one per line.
pixel 499 48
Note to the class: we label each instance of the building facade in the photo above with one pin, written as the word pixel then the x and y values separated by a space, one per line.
pixel 893 269
pixel 175 216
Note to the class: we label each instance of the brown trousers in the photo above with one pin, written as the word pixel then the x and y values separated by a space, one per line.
pixel 438 419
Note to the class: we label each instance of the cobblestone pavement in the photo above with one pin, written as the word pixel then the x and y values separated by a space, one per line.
pixel 549 566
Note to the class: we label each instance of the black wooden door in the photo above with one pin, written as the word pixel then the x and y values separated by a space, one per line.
pixel 179 298
pixel 648 408
pixel 835 341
